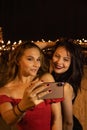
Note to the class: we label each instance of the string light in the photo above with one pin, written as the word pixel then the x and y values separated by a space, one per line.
pixel 9 45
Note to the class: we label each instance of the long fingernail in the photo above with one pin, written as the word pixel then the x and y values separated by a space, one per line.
pixel 47 84
pixel 42 81
pixel 50 91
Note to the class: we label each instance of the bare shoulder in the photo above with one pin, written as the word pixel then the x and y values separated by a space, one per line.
pixel 4 90
pixel 47 77
pixel 68 90
pixel 67 87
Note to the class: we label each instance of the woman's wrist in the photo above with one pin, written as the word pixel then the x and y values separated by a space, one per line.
pixel 17 111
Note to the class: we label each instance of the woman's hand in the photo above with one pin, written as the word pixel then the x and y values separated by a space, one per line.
pixel 33 94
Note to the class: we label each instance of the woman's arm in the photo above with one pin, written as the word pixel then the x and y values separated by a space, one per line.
pixel 56 116
pixel 56 107
pixel 67 108
pixel 12 114
pixel 7 113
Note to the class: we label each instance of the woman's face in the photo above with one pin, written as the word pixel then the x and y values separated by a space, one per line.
pixel 30 62
pixel 61 60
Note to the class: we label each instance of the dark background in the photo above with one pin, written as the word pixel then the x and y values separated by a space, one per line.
pixel 43 19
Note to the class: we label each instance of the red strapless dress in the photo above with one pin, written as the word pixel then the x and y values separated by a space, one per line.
pixel 38 118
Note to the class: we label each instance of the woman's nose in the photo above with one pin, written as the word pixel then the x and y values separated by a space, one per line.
pixel 36 63
pixel 59 61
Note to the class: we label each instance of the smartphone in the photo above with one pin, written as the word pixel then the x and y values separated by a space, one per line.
pixel 56 90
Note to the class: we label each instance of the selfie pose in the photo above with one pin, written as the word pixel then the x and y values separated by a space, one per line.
pixel 22 91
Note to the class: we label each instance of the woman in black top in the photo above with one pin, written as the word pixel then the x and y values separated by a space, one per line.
pixel 67 66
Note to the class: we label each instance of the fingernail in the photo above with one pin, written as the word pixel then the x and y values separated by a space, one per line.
pixel 42 81
pixel 50 91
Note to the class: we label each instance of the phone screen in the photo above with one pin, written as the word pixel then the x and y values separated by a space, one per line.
pixel 56 89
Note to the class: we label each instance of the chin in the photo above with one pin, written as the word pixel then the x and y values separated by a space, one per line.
pixel 34 74
pixel 58 71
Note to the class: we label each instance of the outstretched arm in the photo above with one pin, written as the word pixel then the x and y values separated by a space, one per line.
pixel 56 116
pixel 67 107
pixel 55 107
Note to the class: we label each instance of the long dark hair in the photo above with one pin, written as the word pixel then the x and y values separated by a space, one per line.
pixel 75 72
pixel 12 70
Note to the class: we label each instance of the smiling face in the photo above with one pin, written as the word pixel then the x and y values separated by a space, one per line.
pixel 30 62
pixel 61 60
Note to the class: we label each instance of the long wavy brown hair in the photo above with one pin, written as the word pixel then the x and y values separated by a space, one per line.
pixel 12 68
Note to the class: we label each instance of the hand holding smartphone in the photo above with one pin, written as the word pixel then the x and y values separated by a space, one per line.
pixel 56 90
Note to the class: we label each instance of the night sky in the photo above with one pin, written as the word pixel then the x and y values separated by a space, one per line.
pixel 43 19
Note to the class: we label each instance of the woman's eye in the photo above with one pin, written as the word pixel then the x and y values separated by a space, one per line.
pixel 39 60
pixel 66 59
pixel 57 56
pixel 29 59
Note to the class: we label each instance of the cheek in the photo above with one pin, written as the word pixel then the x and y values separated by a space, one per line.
pixel 24 65
pixel 39 65
pixel 67 65
pixel 54 59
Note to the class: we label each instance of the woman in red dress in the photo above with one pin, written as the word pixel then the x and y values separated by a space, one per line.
pixel 21 92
